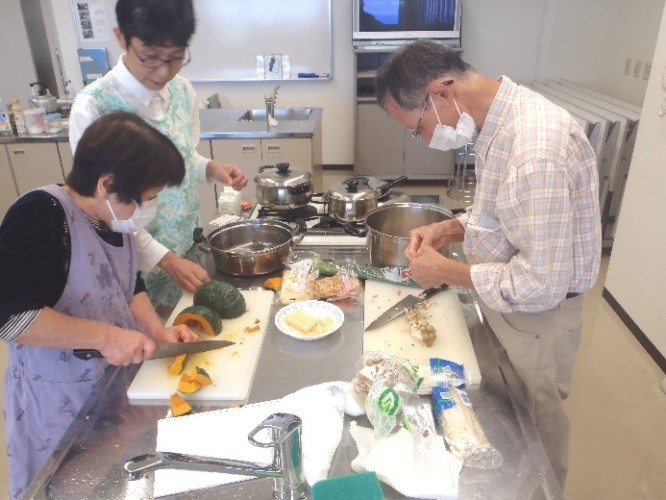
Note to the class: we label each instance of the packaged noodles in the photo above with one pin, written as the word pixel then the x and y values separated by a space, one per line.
pixel 462 432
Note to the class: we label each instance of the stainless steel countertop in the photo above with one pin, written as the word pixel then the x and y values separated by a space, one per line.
pixel 216 124
pixel 109 431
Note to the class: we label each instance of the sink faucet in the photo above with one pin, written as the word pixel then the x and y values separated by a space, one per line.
pixel 270 100
pixel 286 468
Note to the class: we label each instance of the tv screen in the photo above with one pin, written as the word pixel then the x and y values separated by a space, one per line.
pixel 391 19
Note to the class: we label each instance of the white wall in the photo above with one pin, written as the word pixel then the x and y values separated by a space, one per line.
pixel 502 38
pixel 18 70
pixel 637 271
pixel 589 42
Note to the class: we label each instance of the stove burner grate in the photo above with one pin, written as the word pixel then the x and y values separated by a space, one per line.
pixel 307 212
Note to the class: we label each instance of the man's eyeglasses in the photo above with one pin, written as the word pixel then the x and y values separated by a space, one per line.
pixel 154 62
pixel 419 126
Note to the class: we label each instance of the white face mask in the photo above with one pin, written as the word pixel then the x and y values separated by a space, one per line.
pixel 141 217
pixel 445 137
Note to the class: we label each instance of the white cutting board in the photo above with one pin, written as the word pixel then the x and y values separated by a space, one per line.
pixel 446 316
pixel 231 368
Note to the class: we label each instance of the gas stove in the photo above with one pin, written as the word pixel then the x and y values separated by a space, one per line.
pixel 320 228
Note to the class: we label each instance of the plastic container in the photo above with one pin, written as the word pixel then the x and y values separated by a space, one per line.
pixel 53 123
pixel 18 119
pixel 34 120
pixel 5 122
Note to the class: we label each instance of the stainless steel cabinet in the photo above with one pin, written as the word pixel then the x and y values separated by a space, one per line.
pixel 34 164
pixel 385 148
pixel 380 142
pixel 8 191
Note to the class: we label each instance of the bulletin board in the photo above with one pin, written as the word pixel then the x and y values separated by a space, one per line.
pixel 233 36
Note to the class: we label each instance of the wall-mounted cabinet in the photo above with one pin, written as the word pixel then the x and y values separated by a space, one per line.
pixel 383 147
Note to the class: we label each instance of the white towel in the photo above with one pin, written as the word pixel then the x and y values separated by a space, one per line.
pixel 429 472
pixel 223 434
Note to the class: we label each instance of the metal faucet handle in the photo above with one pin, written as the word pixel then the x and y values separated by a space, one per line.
pixel 272 97
pixel 282 426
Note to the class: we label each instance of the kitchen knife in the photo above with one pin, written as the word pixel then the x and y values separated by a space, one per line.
pixel 166 350
pixel 402 305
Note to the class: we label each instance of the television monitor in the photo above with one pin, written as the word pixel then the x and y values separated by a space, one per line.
pixel 406 20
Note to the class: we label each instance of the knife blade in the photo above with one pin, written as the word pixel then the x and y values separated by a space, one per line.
pixel 400 307
pixel 166 350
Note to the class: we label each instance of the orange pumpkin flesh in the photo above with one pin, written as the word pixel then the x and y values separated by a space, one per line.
pixel 178 405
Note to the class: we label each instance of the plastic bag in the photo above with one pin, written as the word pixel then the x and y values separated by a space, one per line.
pixel 462 431
pixel 387 388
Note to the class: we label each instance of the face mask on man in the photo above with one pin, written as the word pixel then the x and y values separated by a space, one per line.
pixel 141 217
pixel 445 137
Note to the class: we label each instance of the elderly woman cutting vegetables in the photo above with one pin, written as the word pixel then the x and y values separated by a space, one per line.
pixel 68 279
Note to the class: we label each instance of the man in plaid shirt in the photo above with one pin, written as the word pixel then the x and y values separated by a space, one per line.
pixel 532 237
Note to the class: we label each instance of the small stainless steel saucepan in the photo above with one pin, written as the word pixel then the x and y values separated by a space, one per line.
pixel 350 200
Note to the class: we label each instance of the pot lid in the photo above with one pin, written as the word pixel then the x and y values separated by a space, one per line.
pixel 356 189
pixel 282 175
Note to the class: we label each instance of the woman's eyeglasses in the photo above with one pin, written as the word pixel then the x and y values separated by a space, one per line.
pixel 154 62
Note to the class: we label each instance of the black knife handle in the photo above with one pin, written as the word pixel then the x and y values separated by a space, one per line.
pixel 429 292
pixel 86 354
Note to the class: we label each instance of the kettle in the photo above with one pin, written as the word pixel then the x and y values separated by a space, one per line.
pixel 42 98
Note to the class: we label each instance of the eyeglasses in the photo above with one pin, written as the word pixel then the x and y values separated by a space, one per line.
pixel 154 62
pixel 419 126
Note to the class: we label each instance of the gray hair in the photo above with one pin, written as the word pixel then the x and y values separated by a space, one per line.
pixel 407 73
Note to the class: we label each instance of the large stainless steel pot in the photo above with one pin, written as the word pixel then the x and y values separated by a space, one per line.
pixel 350 200
pixel 250 247
pixel 284 187
pixel 388 229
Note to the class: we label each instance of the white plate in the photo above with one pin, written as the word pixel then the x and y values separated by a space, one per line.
pixel 314 308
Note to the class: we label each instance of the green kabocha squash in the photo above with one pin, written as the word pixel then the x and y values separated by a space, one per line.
pixel 200 317
pixel 221 297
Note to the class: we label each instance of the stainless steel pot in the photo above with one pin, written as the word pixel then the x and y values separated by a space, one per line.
pixel 250 247
pixel 350 200
pixel 280 187
pixel 388 229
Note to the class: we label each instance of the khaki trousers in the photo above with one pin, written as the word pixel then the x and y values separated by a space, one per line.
pixel 542 348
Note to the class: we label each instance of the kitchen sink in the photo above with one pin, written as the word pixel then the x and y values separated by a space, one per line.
pixel 280 114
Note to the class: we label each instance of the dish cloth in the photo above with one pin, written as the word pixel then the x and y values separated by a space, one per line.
pixel 223 434
pixel 431 472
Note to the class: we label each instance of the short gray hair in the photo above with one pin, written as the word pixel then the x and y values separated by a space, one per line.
pixel 406 74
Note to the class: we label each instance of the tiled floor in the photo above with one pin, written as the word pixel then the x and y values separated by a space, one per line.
pixel 617 410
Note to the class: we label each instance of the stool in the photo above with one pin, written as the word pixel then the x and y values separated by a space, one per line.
pixel 463 184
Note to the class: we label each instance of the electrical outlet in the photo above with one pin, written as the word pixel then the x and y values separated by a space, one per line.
pixel 627 66
pixel 637 68
pixel 647 70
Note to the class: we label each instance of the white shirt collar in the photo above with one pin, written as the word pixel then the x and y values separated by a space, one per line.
pixel 136 88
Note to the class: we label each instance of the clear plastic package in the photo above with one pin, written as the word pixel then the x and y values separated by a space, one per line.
pixel 461 430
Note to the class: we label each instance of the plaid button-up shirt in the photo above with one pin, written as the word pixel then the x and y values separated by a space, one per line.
pixel 533 232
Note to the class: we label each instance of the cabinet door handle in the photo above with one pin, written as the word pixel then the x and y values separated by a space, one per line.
pixel 249 151
pixel 20 155
pixel 274 151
